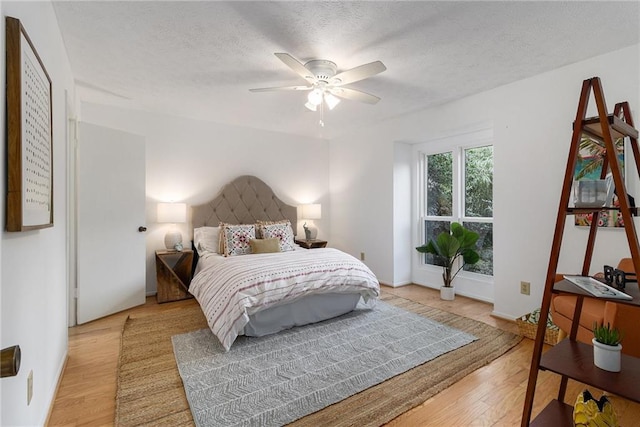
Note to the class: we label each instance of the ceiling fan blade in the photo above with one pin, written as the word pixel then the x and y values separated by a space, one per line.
pixel 272 89
pixel 354 95
pixel 358 73
pixel 296 66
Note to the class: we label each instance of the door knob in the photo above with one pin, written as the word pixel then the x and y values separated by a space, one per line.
pixel 10 361
pixel 142 229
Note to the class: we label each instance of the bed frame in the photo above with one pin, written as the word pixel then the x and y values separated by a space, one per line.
pixel 244 200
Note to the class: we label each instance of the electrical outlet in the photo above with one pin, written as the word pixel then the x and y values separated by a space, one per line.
pixel 361 256
pixel 29 387
pixel 525 288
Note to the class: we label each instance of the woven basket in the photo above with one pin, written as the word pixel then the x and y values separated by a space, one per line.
pixel 529 330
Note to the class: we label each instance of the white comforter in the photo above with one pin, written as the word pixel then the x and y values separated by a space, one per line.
pixel 230 289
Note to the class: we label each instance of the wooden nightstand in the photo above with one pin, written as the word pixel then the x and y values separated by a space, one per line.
pixel 173 272
pixel 312 244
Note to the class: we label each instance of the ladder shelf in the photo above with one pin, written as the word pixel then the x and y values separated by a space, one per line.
pixel 570 358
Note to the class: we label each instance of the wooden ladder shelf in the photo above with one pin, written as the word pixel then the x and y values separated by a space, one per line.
pixel 605 129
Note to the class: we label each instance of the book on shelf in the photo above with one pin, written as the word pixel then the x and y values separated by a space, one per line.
pixel 597 288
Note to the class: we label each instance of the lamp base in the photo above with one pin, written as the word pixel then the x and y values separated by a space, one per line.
pixel 171 239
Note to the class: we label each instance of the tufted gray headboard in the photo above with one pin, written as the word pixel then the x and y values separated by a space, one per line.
pixel 244 200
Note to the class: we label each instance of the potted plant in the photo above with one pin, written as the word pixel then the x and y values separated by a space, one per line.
pixel 606 347
pixel 448 246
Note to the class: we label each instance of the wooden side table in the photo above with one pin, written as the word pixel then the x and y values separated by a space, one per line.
pixel 312 244
pixel 173 272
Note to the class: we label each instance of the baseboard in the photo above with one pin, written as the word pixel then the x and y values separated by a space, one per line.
pixel 503 316
pixel 55 391
pixel 458 292
pixel 474 297
pixel 396 285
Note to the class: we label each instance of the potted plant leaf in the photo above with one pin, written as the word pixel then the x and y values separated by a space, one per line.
pixel 606 347
pixel 448 247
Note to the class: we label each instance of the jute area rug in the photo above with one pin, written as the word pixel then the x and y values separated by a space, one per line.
pixel 150 390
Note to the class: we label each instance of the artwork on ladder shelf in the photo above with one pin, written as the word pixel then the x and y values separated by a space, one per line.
pixel 589 167
pixel 29 134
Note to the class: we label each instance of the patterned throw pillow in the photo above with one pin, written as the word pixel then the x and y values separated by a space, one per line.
pixel 281 230
pixel 237 239
pixel 261 222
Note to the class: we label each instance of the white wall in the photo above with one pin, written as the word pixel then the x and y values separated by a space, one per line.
pixel 532 130
pixel 34 266
pixel 402 179
pixel 361 186
pixel 189 160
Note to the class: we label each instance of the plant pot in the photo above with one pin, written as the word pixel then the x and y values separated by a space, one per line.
pixel 447 293
pixel 606 357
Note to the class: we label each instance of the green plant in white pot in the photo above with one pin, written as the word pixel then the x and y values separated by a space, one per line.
pixel 606 347
pixel 448 247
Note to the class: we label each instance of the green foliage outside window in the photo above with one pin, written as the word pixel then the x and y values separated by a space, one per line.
pixel 440 184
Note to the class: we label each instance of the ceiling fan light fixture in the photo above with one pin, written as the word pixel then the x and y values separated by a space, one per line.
pixel 325 83
pixel 331 100
pixel 315 97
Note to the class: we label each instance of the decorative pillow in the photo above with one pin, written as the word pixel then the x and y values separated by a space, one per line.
pixel 260 223
pixel 207 239
pixel 264 246
pixel 221 238
pixel 282 231
pixel 236 239
pixel 281 221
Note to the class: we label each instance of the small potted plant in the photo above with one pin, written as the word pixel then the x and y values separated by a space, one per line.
pixel 606 347
pixel 448 246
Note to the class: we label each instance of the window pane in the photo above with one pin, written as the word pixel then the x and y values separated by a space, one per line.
pixel 431 231
pixel 478 185
pixel 439 177
pixel 485 248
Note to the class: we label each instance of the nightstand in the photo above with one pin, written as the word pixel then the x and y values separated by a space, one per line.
pixel 173 272
pixel 312 244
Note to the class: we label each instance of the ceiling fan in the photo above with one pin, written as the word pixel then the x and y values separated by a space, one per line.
pixel 324 84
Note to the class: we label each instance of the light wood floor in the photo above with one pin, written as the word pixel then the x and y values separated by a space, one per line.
pixel 491 396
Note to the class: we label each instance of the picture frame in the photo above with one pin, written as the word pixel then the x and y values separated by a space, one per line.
pixel 29 101
pixel 589 167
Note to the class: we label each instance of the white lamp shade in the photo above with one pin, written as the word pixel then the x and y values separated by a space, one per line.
pixel 315 97
pixel 312 211
pixel 172 212
pixel 331 101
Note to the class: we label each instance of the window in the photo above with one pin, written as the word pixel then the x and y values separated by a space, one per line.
pixel 458 186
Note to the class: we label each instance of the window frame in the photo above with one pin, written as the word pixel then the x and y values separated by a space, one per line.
pixel 457 147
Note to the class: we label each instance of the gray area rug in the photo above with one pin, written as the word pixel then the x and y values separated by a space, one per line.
pixel 279 378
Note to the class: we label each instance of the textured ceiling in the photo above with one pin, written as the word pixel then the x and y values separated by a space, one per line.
pixel 199 59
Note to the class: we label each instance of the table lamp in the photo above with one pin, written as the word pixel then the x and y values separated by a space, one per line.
pixel 309 213
pixel 172 213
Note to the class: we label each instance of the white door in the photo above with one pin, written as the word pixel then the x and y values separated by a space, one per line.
pixel 111 208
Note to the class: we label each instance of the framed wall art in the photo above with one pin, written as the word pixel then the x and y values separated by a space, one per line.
pixel 29 134
pixel 589 167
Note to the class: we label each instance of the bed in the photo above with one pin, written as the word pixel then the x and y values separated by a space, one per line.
pixel 254 280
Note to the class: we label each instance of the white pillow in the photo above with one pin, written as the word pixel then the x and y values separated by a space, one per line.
pixel 206 239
